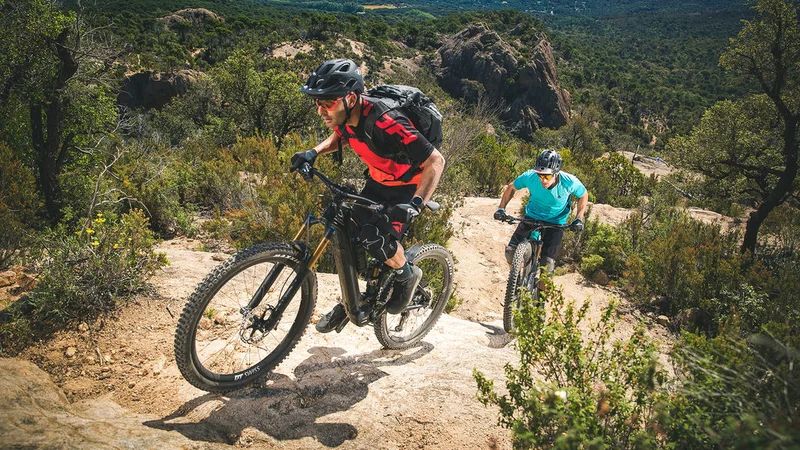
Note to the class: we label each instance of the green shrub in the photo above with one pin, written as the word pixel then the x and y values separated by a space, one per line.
pixel 734 392
pixel 18 205
pixel 615 181
pixel 84 274
pixel 605 241
pixel 573 389
pixel 490 165
pixel 157 179
pixel 591 265
pixel 684 262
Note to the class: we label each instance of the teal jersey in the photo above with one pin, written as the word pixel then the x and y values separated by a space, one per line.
pixel 550 205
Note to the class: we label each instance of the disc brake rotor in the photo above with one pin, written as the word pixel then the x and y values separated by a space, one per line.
pixel 249 331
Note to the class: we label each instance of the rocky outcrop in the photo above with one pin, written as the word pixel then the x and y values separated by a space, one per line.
pixel 155 89
pixel 195 16
pixel 36 414
pixel 477 61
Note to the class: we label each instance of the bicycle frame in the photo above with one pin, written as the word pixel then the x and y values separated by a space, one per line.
pixel 535 236
pixel 338 221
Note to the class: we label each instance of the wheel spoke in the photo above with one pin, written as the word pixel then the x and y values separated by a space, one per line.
pixel 406 329
pixel 222 339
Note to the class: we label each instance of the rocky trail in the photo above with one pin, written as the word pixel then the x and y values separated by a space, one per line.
pixel 114 383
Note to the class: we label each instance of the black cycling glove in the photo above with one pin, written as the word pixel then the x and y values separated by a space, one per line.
pixel 403 213
pixel 299 158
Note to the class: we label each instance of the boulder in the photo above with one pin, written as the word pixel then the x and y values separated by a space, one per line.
pixel 692 319
pixel 195 16
pixel 36 414
pixel 155 89
pixel 479 62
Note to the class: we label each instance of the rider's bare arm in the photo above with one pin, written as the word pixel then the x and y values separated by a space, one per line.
pixel 330 144
pixel 508 194
pixel 432 171
pixel 582 202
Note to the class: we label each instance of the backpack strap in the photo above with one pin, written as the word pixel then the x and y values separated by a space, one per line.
pixel 380 107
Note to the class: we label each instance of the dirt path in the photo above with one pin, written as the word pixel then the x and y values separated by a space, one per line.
pixel 334 390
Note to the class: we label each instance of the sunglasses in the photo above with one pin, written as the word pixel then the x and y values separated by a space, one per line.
pixel 546 176
pixel 327 104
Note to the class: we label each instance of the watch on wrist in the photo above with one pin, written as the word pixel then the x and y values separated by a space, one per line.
pixel 416 202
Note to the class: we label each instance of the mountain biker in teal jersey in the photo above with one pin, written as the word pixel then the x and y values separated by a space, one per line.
pixel 550 191
pixel 403 169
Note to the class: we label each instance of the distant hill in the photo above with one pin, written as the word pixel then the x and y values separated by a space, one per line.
pixel 572 7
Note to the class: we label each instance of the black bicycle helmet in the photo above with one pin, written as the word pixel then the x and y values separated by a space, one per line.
pixel 549 161
pixel 333 79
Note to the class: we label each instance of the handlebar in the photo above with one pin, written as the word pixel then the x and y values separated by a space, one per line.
pixel 308 172
pixel 537 224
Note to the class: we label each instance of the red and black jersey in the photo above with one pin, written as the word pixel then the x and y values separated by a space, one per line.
pixel 388 143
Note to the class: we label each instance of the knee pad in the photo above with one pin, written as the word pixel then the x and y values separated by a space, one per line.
pixel 511 249
pixel 549 263
pixel 379 245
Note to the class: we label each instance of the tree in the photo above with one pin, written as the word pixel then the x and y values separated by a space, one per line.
pixel 53 98
pixel 767 50
pixel 736 147
pixel 267 101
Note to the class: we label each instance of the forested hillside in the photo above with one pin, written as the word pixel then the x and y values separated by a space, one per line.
pixel 124 123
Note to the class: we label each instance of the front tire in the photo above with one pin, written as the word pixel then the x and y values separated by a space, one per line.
pixel 404 330
pixel 216 347
pixel 519 276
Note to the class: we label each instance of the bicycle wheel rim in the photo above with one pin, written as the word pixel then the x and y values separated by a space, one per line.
pixel 223 349
pixel 516 279
pixel 429 300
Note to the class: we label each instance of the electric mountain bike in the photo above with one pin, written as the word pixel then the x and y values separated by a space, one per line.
pixel 525 271
pixel 249 313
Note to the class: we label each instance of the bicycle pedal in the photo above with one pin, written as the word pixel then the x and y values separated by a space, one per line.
pixel 341 326
pixel 363 315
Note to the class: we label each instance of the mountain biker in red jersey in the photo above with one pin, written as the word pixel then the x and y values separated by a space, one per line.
pixel 403 170
pixel 550 190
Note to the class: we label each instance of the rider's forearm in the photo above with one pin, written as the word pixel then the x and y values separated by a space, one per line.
pixel 582 202
pixel 508 194
pixel 330 144
pixel 432 172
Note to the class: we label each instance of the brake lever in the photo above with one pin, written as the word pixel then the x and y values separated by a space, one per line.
pixel 305 171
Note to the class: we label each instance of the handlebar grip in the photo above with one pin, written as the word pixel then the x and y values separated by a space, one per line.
pixel 305 171
pixel 432 205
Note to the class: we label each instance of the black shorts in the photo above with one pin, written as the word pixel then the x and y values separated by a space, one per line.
pixel 551 238
pixel 376 232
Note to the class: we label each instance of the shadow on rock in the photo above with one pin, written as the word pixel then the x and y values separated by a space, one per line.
pixel 286 408
pixel 498 338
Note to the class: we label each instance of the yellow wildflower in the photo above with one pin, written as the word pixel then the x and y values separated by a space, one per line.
pixel 116 245
pixel 89 231
pixel 95 243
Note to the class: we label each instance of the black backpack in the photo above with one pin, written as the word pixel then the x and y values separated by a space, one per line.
pixel 414 104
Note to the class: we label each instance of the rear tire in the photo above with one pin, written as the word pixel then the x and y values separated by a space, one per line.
pixel 404 330
pixel 215 349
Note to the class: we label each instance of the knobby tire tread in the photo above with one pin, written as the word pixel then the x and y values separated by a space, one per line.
pixel 380 326
pixel 512 288
pixel 199 299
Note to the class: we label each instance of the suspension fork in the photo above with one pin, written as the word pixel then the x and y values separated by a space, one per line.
pixel 307 265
